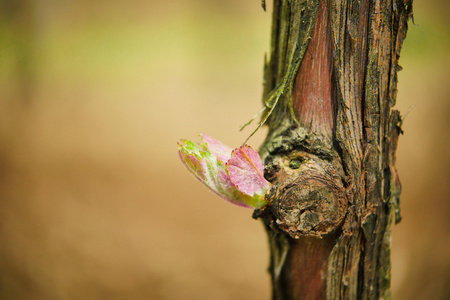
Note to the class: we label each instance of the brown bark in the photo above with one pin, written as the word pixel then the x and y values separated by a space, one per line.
pixel 312 96
pixel 330 85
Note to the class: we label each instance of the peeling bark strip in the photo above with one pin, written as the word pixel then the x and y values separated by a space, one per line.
pixel 333 66
pixel 312 97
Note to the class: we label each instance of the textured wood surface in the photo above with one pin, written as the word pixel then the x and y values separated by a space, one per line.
pixel 330 150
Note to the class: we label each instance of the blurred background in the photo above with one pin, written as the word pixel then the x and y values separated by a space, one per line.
pixel 94 203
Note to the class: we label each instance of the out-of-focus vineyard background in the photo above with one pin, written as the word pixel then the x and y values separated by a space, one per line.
pixel 94 203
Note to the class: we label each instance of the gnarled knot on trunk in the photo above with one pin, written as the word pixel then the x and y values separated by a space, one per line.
pixel 307 196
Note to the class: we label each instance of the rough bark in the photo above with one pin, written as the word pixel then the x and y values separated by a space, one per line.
pixel 330 86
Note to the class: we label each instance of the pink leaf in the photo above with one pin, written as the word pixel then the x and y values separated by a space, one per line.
pixel 246 171
pixel 220 168
pixel 217 148
pixel 208 170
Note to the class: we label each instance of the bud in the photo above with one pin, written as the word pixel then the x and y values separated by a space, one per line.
pixel 234 175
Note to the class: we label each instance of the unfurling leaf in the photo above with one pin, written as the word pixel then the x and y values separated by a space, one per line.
pixel 234 175
pixel 246 171
pixel 218 149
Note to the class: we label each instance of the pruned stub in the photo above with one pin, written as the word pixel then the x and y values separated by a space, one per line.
pixel 308 198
